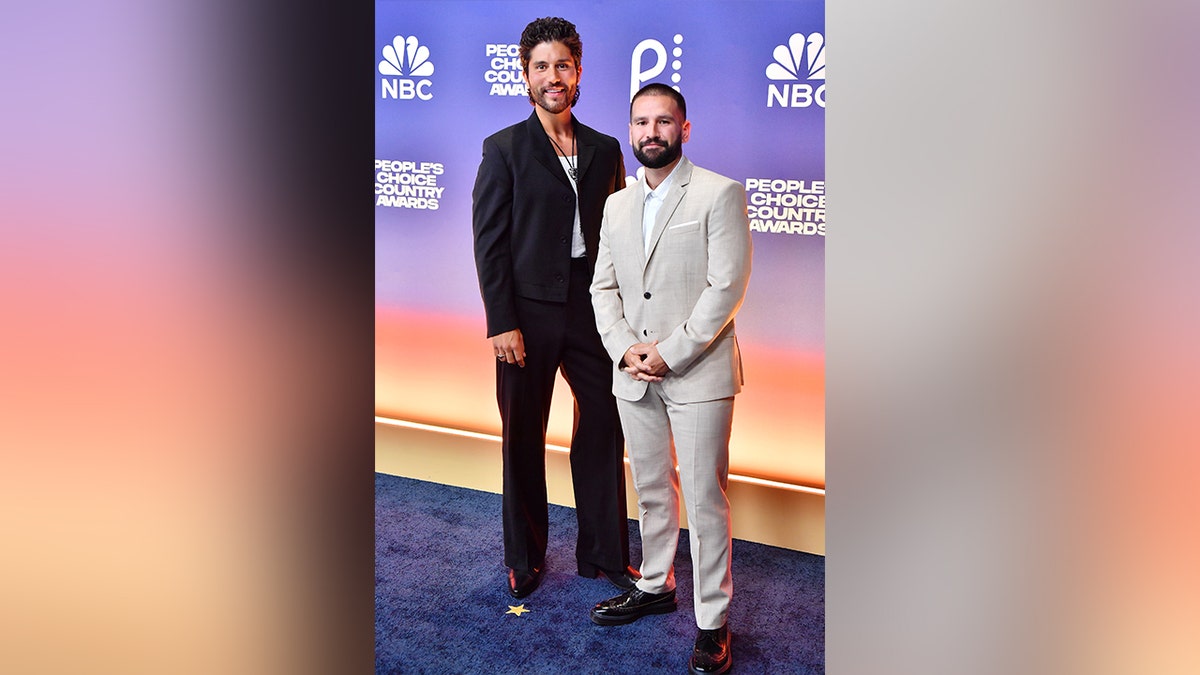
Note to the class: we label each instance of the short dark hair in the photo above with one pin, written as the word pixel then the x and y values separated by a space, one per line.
pixel 660 89
pixel 550 29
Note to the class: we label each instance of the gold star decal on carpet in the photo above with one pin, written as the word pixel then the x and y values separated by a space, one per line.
pixel 518 610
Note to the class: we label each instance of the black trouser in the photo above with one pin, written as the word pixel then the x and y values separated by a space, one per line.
pixel 562 335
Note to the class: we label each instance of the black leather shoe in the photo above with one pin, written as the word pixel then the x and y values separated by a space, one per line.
pixel 711 653
pixel 623 579
pixel 631 606
pixel 522 583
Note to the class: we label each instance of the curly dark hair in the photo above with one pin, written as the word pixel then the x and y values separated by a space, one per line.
pixel 550 29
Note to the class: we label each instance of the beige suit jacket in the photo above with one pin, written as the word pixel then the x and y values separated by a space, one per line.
pixel 685 293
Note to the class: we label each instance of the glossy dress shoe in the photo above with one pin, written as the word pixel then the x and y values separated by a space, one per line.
pixel 711 653
pixel 622 579
pixel 631 606
pixel 522 583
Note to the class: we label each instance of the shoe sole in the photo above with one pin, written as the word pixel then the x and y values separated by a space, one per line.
pixel 602 620
pixel 728 665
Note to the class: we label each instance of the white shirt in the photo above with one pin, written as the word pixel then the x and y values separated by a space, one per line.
pixel 578 250
pixel 654 200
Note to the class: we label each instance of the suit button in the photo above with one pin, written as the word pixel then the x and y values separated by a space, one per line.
pixel 558 277
pixel 646 295
pixel 645 332
pixel 563 240
pixel 566 198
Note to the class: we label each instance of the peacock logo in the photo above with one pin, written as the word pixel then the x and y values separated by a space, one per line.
pixel 802 54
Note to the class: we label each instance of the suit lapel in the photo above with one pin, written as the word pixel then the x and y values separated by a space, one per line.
pixel 637 204
pixel 543 152
pixel 584 147
pixel 683 176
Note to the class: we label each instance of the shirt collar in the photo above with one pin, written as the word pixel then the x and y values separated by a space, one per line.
pixel 660 191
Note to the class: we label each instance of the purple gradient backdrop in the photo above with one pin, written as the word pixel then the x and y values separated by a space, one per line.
pixel 424 259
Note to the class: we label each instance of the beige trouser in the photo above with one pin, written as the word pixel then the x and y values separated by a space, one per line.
pixel 700 432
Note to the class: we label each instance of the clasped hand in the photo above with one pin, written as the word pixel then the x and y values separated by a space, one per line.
pixel 643 362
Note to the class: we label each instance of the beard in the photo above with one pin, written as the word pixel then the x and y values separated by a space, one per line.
pixel 539 99
pixel 658 158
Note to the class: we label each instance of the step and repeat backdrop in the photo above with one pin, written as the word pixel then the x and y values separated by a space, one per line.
pixel 753 73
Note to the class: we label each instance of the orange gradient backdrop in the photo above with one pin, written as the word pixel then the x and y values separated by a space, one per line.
pixel 440 370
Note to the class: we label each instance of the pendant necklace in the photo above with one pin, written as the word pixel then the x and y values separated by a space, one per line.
pixel 571 170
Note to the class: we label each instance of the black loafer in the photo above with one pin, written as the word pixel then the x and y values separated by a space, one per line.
pixel 711 653
pixel 624 579
pixel 631 606
pixel 522 583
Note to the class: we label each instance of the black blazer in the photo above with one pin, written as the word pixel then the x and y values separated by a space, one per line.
pixel 523 210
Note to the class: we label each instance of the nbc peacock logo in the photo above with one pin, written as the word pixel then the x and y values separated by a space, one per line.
pixel 406 68
pixel 802 57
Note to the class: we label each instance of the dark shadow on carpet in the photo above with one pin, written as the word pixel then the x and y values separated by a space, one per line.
pixel 442 606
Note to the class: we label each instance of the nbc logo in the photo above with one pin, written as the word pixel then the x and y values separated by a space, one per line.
pixel 802 57
pixel 406 54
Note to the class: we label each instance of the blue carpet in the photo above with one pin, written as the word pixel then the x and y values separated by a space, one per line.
pixel 442 606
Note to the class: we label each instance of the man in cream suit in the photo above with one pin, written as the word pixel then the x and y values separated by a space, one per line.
pixel 671 273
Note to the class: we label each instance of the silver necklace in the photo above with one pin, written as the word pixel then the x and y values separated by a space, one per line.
pixel 571 170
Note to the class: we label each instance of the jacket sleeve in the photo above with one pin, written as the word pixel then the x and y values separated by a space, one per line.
pixel 729 253
pixel 615 331
pixel 619 178
pixel 491 223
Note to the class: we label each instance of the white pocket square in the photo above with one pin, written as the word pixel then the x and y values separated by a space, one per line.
pixel 690 223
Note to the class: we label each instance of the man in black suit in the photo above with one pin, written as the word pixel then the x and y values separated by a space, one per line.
pixel 537 205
